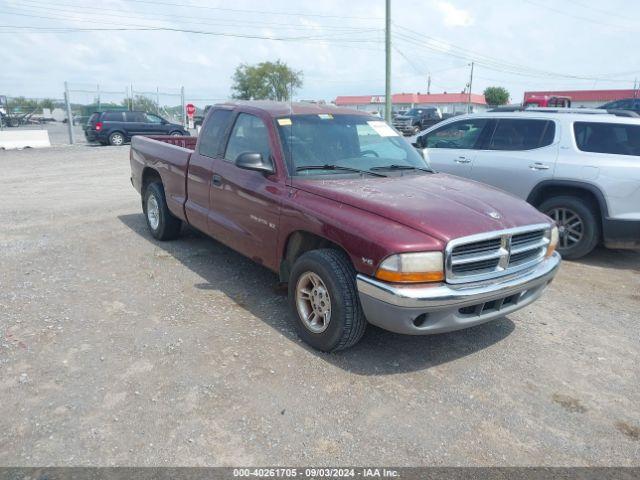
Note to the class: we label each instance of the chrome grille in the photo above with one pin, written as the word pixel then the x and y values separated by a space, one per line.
pixel 493 254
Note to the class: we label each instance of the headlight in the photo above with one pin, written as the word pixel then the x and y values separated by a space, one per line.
pixel 412 268
pixel 553 240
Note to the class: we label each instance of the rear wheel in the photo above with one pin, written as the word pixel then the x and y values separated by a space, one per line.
pixel 176 134
pixel 161 222
pixel 578 226
pixel 116 139
pixel 323 296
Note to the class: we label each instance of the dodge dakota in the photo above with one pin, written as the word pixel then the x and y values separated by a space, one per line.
pixel 347 213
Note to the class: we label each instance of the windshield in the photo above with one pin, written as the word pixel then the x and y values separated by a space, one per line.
pixel 354 141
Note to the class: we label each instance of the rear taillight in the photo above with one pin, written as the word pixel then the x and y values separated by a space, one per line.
pixel 98 126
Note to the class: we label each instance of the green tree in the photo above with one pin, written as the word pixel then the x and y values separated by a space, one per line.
pixel 140 102
pixel 265 81
pixel 496 95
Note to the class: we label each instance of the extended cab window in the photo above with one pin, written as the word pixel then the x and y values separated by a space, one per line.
pixel 249 134
pixel 461 134
pixel 615 138
pixel 210 143
pixel 522 134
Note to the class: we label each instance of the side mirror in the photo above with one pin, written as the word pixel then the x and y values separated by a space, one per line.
pixel 420 142
pixel 253 161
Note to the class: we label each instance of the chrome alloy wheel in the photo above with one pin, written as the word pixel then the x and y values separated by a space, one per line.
pixel 153 212
pixel 313 302
pixel 117 139
pixel 570 226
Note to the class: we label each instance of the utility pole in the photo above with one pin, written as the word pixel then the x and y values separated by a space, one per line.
pixel 98 90
pixel 429 85
pixel 387 43
pixel 67 101
pixel 635 88
pixel 470 86
pixel 184 112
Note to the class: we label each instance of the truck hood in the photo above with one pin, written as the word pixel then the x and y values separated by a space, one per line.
pixel 439 205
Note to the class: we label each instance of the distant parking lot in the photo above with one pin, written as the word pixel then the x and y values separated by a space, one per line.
pixel 59 132
pixel 116 349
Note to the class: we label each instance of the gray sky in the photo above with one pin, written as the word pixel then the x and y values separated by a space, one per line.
pixel 519 44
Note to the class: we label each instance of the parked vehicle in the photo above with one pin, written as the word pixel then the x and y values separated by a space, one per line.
pixel 631 104
pixel 117 127
pixel 547 101
pixel 579 167
pixel 199 119
pixel 3 111
pixel 346 211
pixel 417 119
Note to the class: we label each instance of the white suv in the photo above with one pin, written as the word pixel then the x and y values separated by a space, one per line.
pixel 580 167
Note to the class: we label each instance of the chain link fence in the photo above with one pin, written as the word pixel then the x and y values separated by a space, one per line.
pixel 80 100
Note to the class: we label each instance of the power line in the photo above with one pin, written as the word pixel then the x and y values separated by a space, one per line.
pixel 186 30
pixel 237 10
pixel 578 17
pixel 46 7
pixel 484 60
pixel 134 27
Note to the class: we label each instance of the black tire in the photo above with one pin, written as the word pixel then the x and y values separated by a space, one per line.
pixel 590 226
pixel 176 133
pixel 347 322
pixel 117 139
pixel 168 226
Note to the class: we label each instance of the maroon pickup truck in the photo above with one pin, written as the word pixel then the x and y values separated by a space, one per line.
pixel 348 213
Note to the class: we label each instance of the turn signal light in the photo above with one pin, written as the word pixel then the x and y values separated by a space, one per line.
pixel 416 267
pixel 553 241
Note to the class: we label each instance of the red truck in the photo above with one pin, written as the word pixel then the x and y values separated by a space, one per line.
pixel 349 214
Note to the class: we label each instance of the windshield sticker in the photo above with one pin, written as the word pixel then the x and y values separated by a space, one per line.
pixel 325 116
pixel 283 122
pixel 382 128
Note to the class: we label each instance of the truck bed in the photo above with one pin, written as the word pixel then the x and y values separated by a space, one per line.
pixel 169 156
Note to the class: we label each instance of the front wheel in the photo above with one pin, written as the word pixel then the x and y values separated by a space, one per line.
pixel 323 296
pixel 162 224
pixel 578 227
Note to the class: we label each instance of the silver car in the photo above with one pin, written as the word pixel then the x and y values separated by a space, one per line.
pixel 582 168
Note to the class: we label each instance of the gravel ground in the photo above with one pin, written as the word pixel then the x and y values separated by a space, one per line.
pixel 116 349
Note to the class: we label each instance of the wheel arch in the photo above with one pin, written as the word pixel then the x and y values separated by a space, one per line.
pixel 299 242
pixel 584 190
pixel 117 130
pixel 149 174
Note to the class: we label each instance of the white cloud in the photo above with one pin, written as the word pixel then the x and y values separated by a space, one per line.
pixel 454 16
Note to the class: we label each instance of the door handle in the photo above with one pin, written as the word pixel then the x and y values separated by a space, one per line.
pixel 462 160
pixel 216 181
pixel 538 166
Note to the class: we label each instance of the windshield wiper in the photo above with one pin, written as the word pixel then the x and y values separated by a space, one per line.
pixel 337 167
pixel 402 167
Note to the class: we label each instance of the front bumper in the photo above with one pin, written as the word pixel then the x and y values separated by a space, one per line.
pixel 426 309
pixel 405 128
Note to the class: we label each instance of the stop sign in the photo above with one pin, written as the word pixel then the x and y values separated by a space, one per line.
pixel 191 109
